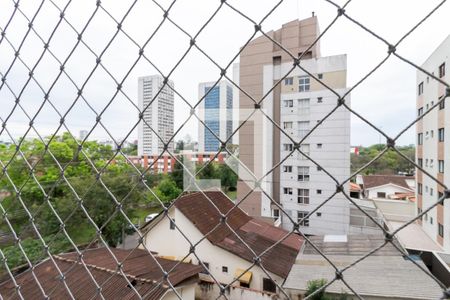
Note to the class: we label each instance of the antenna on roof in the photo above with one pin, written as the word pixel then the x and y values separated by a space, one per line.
pixel 313 14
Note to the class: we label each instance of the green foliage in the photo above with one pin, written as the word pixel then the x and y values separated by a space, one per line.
pixel 166 191
pixel 388 164
pixel 177 173
pixel 34 250
pixel 314 285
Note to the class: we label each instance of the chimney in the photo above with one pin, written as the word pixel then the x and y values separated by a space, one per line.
pixel 313 14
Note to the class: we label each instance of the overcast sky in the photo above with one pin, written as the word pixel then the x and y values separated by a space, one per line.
pixel 387 98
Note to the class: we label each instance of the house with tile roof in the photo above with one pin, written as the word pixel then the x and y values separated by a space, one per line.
pixel 245 254
pixel 387 186
pixel 96 275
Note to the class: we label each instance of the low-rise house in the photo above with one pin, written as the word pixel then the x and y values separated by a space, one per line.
pixel 385 274
pixel 227 256
pixel 143 275
pixel 386 186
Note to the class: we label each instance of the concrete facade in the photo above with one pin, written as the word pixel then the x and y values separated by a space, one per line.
pixel 433 136
pixel 296 105
pixel 158 115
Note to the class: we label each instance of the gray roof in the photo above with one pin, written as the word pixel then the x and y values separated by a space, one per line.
pixel 385 274
pixel 377 276
pixel 355 245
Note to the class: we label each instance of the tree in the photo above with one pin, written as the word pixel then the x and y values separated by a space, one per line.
pixel 165 191
pixel 177 174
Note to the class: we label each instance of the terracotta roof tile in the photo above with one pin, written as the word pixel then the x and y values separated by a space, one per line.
pixel 139 267
pixel 258 235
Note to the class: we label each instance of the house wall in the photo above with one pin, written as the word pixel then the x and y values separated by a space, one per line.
pixel 210 292
pixel 167 242
pixel 186 292
pixel 389 189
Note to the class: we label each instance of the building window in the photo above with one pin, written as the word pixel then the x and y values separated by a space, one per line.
pixel 441 230
pixel 287 191
pixel 319 99
pixel 304 148
pixel 287 125
pixel 172 224
pixel 287 169
pixel 426 189
pixel 441 166
pixel 431 220
pixel 224 269
pixel 303 106
pixel 205 268
pixel 319 214
pixel 319 168
pixel 442 103
pixel 319 192
pixel 288 103
pixel 431 191
pixel 300 216
pixel 420 138
pixel 276 213
pixel 442 70
pixel 303 196
pixel 441 134
pixel 420 88
pixel 303 128
pixel 432 133
pixel 269 285
pixel 289 81
pixel 420 162
pixel 303 83
pixel 288 147
pixel 319 146
pixel 381 195
pixel 420 111
pixel 320 75
pixel 419 188
pixel 431 163
pixel 303 173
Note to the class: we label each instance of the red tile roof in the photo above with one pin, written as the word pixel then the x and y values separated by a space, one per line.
pixel 258 235
pixel 139 267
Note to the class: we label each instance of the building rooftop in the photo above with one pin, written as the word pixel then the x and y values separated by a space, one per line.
pixel 371 181
pixel 413 237
pixel 392 277
pixel 349 245
pixel 258 235
pixel 139 267
pixel 385 273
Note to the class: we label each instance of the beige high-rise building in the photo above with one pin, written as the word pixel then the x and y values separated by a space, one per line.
pixel 296 105
pixel 433 136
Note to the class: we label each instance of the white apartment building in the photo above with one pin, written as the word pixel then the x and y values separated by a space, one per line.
pixel 304 185
pixel 216 111
pixel 158 116
pixel 433 136
pixel 297 105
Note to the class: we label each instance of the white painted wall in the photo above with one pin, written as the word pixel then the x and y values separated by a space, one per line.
pixel 389 189
pixel 167 242
pixel 333 156
pixel 431 94
pixel 186 292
